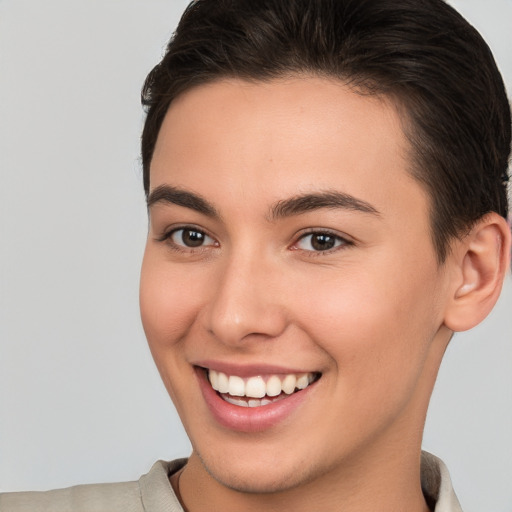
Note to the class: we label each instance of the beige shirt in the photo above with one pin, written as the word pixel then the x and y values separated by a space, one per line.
pixel 153 493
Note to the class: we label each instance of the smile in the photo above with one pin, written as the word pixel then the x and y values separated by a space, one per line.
pixel 259 390
pixel 254 398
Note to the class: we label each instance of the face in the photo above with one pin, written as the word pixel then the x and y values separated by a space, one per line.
pixel 290 291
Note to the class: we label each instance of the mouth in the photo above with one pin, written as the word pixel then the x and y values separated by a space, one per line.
pixel 254 398
pixel 259 390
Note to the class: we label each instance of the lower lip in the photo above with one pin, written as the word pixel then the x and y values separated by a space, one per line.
pixel 249 419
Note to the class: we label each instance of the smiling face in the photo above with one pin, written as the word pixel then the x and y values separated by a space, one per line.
pixel 289 249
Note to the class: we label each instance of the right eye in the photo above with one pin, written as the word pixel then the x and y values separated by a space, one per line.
pixel 191 238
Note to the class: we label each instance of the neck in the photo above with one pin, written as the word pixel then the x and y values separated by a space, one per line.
pixel 386 484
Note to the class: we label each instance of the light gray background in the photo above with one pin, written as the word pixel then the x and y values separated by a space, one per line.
pixel 80 400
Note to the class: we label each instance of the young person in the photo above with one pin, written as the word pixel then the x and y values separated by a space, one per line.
pixel 326 186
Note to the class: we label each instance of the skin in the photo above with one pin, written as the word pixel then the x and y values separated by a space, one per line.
pixel 371 314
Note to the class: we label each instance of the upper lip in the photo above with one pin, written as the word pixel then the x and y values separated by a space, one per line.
pixel 249 370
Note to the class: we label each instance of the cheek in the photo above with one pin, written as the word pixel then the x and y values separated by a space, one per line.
pixel 168 303
pixel 168 309
pixel 376 328
pixel 357 305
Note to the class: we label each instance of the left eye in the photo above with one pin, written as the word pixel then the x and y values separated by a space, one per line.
pixel 190 238
pixel 319 242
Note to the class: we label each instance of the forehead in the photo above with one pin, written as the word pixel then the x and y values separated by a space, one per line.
pixel 269 139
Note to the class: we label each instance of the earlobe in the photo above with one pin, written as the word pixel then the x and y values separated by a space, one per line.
pixel 480 263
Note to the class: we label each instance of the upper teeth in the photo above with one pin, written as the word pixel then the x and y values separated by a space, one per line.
pixel 258 387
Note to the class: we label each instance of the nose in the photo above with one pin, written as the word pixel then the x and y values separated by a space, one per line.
pixel 245 303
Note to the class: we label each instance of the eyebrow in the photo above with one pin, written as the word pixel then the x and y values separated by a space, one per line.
pixel 180 197
pixel 292 206
pixel 303 203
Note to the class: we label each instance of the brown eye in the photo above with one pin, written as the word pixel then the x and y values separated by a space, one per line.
pixel 319 242
pixel 191 238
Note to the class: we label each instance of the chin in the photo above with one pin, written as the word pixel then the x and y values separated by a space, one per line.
pixel 257 476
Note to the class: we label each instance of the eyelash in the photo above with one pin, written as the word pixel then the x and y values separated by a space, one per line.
pixel 339 241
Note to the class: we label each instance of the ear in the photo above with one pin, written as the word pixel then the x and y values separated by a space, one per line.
pixel 479 264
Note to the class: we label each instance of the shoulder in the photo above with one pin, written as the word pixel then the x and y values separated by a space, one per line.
pixel 81 498
pixel 151 492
